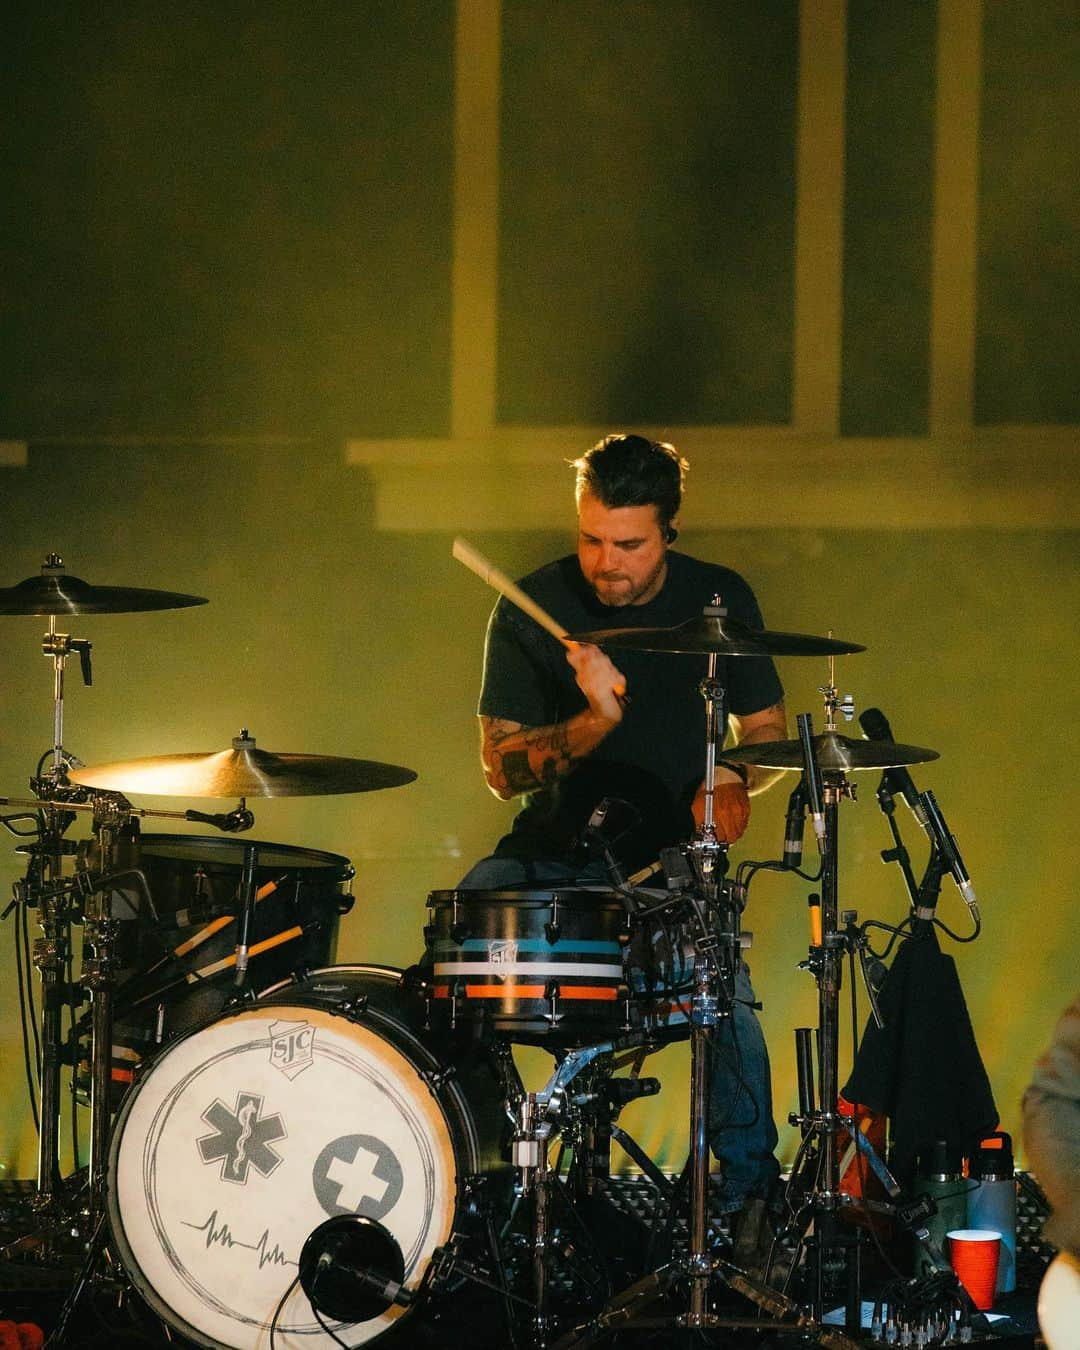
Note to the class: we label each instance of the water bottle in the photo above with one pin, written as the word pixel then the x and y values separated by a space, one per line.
pixel 939 1175
pixel 992 1201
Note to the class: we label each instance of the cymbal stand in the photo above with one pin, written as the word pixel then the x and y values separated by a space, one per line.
pixel 717 946
pixel 708 858
pixel 46 891
pixel 45 888
pixel 100 931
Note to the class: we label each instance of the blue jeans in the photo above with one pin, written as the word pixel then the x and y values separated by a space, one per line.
pixel 742 1132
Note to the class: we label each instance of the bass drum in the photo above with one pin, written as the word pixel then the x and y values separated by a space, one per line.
pixel 244 1136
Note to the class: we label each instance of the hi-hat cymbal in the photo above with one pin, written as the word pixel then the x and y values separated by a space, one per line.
pixel 56 592
pixel 719 634
pixel 834 754
pixel 242 771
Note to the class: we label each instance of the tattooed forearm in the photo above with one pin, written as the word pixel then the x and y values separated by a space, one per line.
pixel 520 759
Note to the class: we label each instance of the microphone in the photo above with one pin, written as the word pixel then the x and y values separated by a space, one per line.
pixel 232 823
pixel 942 836
pixel 876 727
pixel 794 827
pixel 812 778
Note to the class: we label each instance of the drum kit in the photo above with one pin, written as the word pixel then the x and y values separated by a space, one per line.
pixel 288 1152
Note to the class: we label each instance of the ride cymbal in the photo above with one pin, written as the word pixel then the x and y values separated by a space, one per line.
pixel 720 635
pixel 242 771
pixel 56 592
pixel 834 754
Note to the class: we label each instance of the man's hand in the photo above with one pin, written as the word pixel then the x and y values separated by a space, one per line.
pixel 731 806
pixel 598 678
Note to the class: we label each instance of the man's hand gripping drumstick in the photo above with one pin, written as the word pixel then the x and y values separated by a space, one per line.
pixel 520 759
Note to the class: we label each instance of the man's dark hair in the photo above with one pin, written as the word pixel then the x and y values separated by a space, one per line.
pixel 625 470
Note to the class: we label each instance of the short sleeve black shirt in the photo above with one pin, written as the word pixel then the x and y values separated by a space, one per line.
pixel 655 758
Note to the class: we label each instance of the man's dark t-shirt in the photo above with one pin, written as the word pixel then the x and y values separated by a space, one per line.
pixel 654 760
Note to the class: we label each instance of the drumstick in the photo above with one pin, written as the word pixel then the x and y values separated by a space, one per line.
pixel 476 562
pixel 226 963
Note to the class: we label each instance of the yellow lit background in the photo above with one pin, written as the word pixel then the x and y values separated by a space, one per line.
pixel 289 304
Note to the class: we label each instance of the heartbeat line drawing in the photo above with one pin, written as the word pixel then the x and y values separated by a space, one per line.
pixel 220 1235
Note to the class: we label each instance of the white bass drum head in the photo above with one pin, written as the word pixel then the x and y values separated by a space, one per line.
pixel 245 1136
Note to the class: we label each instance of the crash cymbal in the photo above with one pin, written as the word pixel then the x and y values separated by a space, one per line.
pixel 718 634
pixel 56 592
pixel 242 771
pixel 834 753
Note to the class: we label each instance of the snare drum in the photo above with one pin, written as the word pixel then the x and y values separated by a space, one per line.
pixel 243 1137
pixel 537 965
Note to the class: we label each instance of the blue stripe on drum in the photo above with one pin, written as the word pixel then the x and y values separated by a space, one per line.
pixel 563 945
pixel 532 968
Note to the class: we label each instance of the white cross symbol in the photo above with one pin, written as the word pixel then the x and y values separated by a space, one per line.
pixel 357 1180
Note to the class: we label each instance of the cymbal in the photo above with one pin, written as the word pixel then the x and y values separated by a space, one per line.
pixel 56 592
pixel 242 771
pixel 721 635
pixel 834 754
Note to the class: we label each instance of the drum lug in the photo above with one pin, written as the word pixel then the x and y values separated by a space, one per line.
pixel 437 1079
pixel 474 1195
pixel 459 930
pixel 624 996
pixel 355 1008
pixel 553 928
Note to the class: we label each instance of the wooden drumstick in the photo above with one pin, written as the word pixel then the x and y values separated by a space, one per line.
pixel 476 562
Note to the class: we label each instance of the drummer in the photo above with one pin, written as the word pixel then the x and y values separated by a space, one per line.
pixel 570 730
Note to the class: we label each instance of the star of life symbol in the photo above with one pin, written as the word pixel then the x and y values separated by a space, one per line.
pixel 240 1139
pixel 502 953
pixel 291 1047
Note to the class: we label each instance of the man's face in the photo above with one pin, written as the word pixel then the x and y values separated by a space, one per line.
pixel 621 551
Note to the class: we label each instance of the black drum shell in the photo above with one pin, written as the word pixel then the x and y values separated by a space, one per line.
pixel 194 880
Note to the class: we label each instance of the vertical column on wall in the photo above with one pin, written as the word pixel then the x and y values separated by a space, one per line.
pixel 476 206
pixel 819 216
pixel 955 239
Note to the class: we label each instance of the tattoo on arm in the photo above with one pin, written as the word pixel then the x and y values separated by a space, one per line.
pixel 522 759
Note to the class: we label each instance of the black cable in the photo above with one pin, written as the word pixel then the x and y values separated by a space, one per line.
pixel 280 1308
pixel 669 1220
pixel 28 966
pixel 938 923
pixel 328 1329
pixel 583 1229
pixel 93 1251
pixel 500 1272
pixel 69 976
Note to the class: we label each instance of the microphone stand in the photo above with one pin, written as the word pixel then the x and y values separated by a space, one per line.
pixel 825 961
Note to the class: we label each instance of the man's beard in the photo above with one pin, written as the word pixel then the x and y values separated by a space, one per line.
pixel 623 596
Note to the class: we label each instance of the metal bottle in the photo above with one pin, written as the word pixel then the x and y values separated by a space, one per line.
pixel 992 1201
pixel 939 1174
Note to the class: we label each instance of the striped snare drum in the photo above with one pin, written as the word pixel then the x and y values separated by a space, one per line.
pixel 538 965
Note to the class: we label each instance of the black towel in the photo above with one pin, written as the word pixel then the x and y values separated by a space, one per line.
pixel 924 1071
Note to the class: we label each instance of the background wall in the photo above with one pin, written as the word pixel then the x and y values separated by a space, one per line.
pixel 289 303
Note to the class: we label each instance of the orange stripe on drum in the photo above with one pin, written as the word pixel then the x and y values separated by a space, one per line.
pixel 601 992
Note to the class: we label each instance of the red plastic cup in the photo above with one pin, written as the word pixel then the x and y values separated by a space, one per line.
pixel 973 1255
